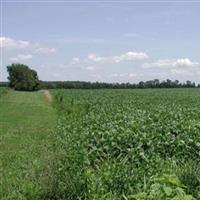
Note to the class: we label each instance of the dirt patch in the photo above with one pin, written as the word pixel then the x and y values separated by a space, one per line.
pixel 48 96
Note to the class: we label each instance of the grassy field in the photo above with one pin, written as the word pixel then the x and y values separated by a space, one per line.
pixel 106 145
pixel 26 122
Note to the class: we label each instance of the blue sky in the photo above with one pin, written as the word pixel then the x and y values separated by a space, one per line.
pixel 112 41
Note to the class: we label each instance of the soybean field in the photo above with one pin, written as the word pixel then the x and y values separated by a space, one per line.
pixel 128 144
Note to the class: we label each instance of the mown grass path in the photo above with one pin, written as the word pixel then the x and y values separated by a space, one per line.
pixel 27 120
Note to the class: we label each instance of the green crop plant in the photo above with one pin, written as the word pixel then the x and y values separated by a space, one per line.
pixel 166 187
pixel 115 141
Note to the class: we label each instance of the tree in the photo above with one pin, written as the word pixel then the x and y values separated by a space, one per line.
pixel 21 77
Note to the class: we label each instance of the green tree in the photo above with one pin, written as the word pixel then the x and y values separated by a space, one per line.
pixel 21 77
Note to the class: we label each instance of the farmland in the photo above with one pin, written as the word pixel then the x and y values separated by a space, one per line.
pixel 119 142
pixel 107 144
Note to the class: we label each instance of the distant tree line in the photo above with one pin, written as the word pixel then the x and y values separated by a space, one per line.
pixel 4 84
pixel 101 85
pixel 21 77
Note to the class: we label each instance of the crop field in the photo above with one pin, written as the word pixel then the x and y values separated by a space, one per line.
pixel 107 145
pixel 128 144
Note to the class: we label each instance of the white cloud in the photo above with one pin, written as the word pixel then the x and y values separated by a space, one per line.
pixel 75 60
pixel 89 68
pixel 129 56
pixel 172 63
pixel 186 62
pixel 93 57
pixel 45 50
pixel 181 68
pixel 21 57
pixel 122 75
pixel 10 44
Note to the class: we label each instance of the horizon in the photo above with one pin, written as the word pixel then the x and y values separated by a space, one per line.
pixel 104 41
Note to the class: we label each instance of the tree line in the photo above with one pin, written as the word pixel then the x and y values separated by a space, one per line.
pixel 101 85
pixel 21 77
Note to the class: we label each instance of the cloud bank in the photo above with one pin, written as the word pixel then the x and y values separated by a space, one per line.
pixel 21 57
pixel 13 44
pixel 128 56
pixel 171 63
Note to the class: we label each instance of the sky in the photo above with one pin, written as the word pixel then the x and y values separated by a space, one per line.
pixel 99 40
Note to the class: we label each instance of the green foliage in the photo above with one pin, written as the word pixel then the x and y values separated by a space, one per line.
pixel 101 85
pixel 166 187
pixel 108 145
pixel 120 139
pixel 189 174
pixel 21 77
